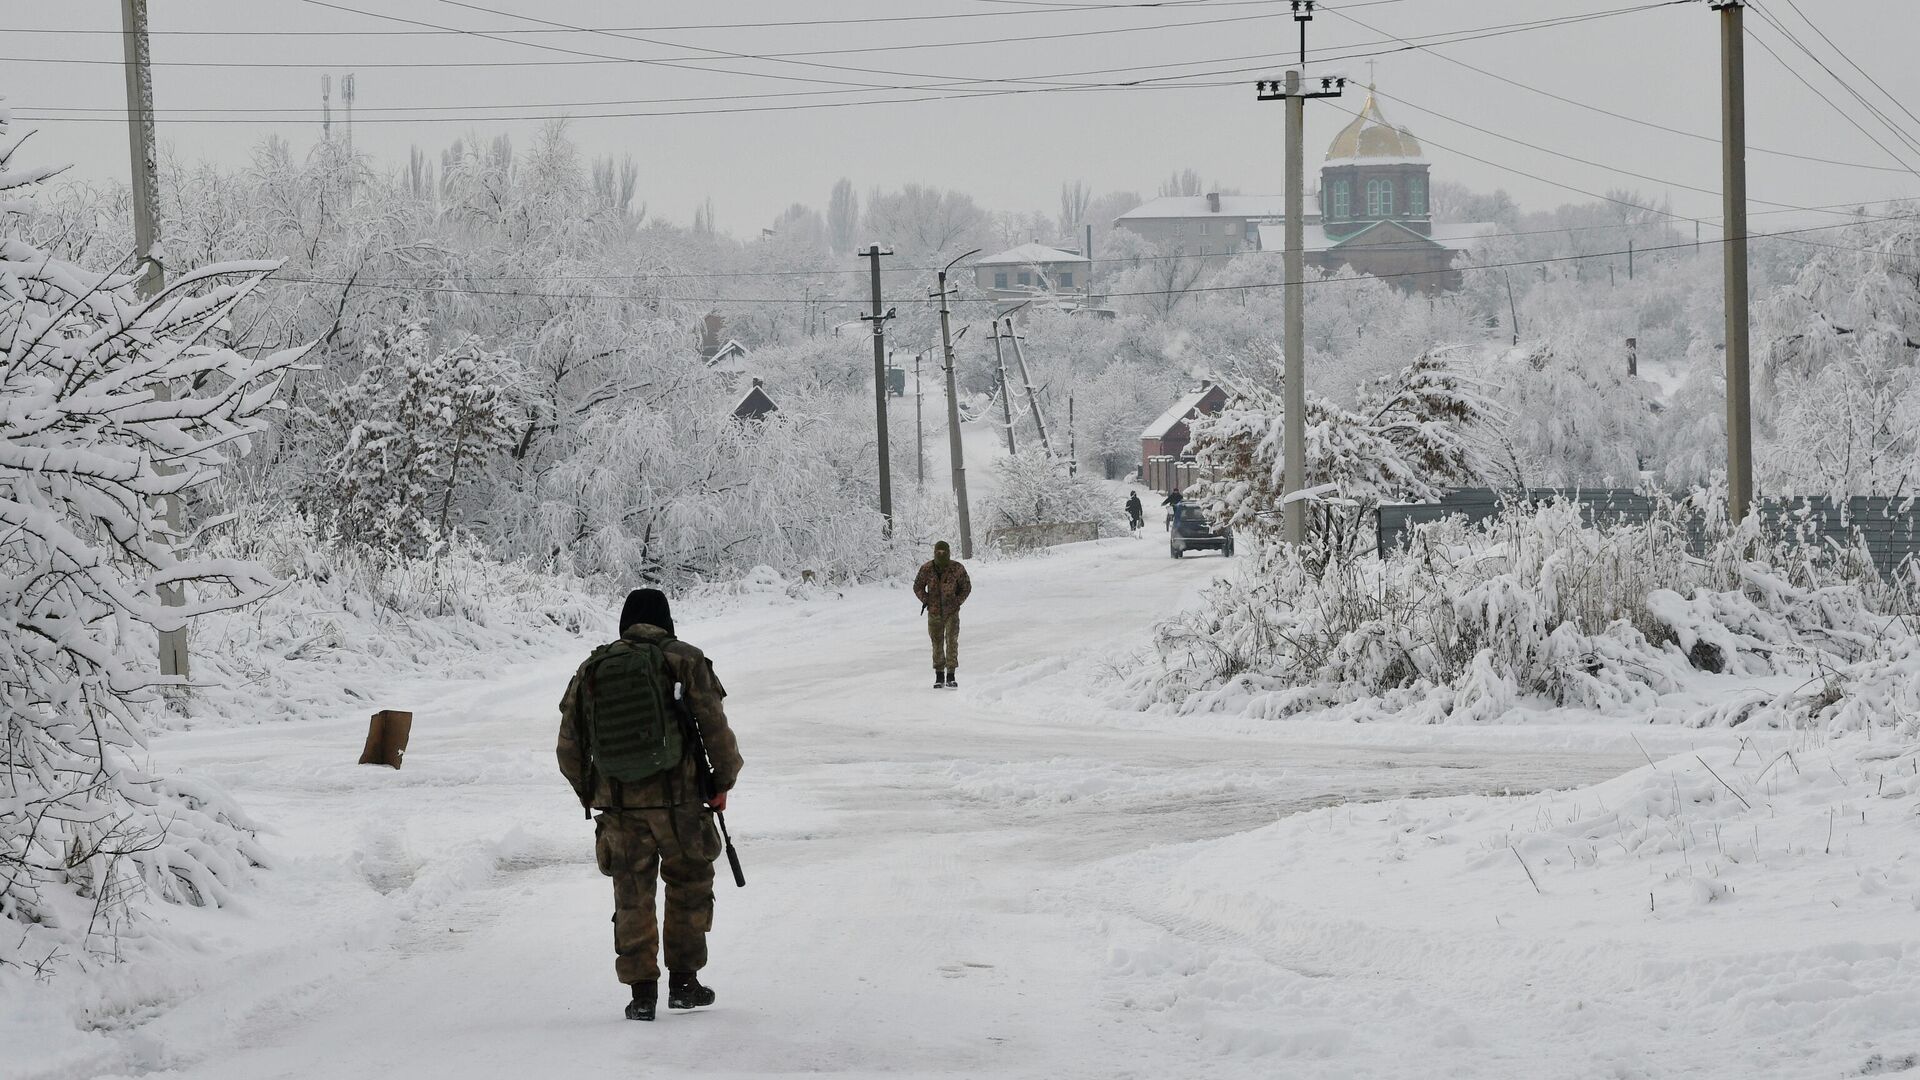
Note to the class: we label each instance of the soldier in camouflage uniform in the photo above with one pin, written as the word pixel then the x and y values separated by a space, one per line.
pixel 941 587
pixel 657 827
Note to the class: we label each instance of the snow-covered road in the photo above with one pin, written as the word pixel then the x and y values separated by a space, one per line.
pixel 935 876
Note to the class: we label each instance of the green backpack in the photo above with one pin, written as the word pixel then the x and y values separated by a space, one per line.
pixel 628 713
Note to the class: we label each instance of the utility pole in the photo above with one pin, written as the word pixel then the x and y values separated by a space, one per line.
pixel 879 320
pixel 1629 260
pixel 1089 247
pixel 1073 448
pixel 953 411
pixel 919 426
pixel 1294 445
pixel 1033 401
pixel 1006 392
pixel 152 276
pixel 1733 164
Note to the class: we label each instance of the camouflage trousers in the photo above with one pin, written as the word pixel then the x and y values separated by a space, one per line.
pixel 944 630
pixel 637 847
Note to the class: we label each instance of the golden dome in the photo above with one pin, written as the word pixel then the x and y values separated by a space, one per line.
pixel 1370 136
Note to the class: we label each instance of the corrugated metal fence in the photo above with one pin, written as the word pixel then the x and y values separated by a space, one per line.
pixel 1890 527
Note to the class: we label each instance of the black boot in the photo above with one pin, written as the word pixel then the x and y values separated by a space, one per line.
pixel 646 995
pixel 951 683
pixel 939 678
pixel 685 992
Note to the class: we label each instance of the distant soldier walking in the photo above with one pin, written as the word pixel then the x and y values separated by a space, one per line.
pixel 941 587
pixel 633 725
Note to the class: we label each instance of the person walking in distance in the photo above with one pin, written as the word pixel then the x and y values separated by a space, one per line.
pixel 631 727
pixel 1136 514
pixel 941 587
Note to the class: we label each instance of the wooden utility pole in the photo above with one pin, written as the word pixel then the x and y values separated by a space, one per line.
pixel 1006 391
pixel 1294 400
pixel 879 320
pixel 145 178
pixel 1033 400
pixel 1733 165
pixel 953 411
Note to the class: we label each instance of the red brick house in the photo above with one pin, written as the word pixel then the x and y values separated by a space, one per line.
pixel 1165 462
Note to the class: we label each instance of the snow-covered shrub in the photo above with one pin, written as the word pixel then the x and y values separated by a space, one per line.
pixel 1034 489
pixel 347 618
pixel 1472 620
pixel 109 403
pixel 1408 437
pixel 403 430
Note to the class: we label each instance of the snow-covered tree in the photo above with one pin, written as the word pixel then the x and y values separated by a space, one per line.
pixel 412 430
pixel 1407 438
pixel 109 404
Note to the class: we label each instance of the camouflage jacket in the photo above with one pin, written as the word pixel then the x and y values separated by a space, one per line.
pixel 943 591
pixel 701 692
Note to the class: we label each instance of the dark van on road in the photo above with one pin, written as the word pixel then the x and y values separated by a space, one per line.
pixel 1191 531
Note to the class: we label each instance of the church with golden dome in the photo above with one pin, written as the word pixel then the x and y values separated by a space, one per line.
pixel 1373 214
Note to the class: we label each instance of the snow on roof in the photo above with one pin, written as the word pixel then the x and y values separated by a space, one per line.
pixel 1027 254
pixel 755 403
pixel 1455 236
pixel 1193 206
pixel 1175 413
pixel 1313 238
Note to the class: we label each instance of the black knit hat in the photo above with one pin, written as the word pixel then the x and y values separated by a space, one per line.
pixel 647 606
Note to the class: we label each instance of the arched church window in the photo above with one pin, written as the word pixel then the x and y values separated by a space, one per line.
pixel 1342 200
pixel 1417 195
pixel 1379 198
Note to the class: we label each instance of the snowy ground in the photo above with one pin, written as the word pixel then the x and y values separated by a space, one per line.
pixel 1013 880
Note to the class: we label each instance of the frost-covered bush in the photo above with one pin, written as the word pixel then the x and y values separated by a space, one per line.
pixel 1034 489
pixel 1535 605
pixel 347 617
pixel 409 432
pixel 89 445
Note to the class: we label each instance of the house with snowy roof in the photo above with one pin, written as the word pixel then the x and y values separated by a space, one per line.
pixel 1166 462
pixel 755 404
pixel 1029 271
pixel 1372 214
pixel 730 358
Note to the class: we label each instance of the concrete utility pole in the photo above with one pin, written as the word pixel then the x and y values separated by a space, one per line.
pixel 953 411
pixel 1294 444
pixel 1006 391
pixel 1033 401
pixel 919 426
pixel 152 276
pixel 1089 246
pixel 879 320
pixel 1733 165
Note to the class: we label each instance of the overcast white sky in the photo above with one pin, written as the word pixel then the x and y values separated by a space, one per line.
pixel 1010 151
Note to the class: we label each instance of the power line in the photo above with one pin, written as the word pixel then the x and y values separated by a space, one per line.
pixel 1243 287
pixel 1580 160
pixel 755 25
pixel 1858 218
pixel 1588 106
pixel 1873 111
pixel 1844 55
pixel 958 89
pixel 1459 36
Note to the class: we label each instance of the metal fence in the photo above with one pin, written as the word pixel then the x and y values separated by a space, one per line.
pixel 1890 527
